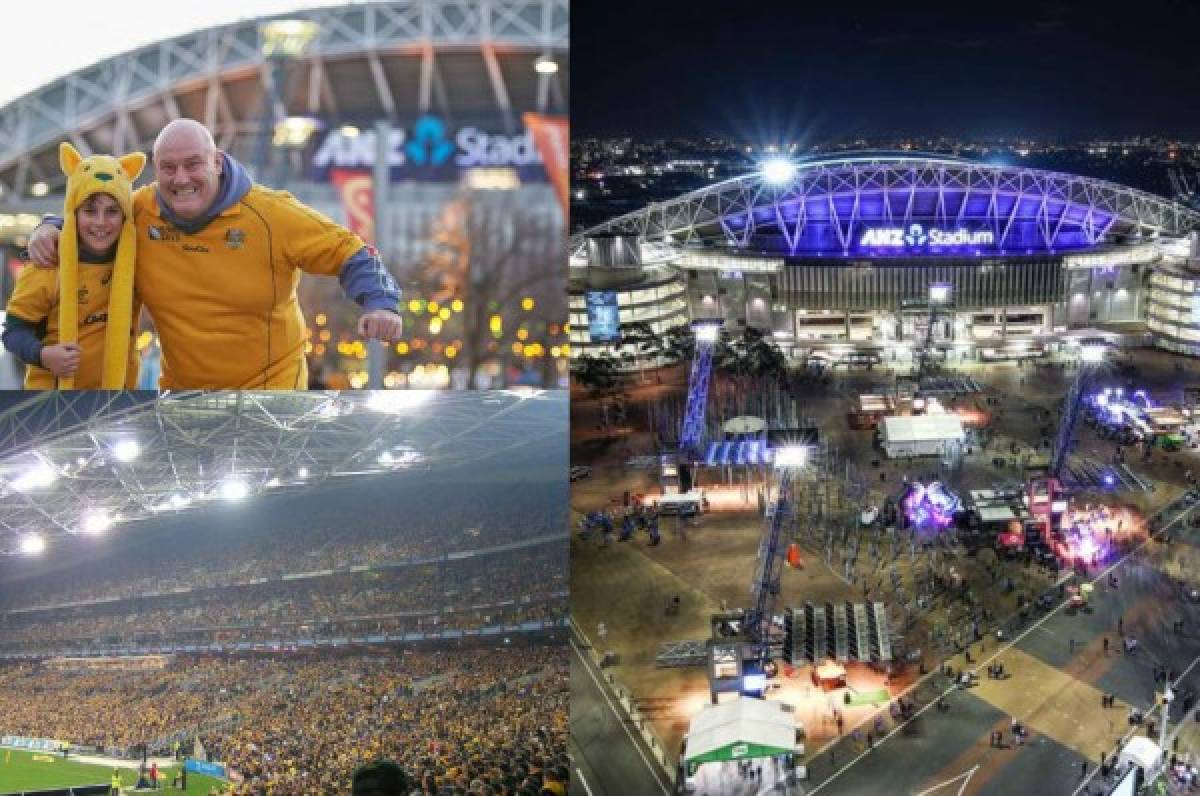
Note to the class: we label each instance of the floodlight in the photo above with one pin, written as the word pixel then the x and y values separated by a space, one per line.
pixel 1092 353
pixel 397 400
pixel 178 501
pixel 385 457
pixel 126 450
pixel 708 333
pixel 302 472
pixel 791 456
pixel 96 521
pixel 545 65
pixel 778 170
pixel 234 489
pixel 32 544
pixel 939 293
pixel 288 38
pixel 40 475
pixel 294 131
pixel 754 682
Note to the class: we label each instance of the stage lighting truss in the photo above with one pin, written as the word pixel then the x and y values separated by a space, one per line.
pixel 61 474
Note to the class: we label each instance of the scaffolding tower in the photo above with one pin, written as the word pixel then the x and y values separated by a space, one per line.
pixel 707 333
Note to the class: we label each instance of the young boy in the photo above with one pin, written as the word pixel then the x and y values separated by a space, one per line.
pixel 85 343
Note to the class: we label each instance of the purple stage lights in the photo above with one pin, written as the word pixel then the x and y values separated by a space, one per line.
pixel 930 505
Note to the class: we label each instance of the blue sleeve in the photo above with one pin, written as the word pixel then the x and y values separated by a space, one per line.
pixel 366 280
pixel 24 339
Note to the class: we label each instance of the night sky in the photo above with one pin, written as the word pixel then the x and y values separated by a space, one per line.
pixel 809 71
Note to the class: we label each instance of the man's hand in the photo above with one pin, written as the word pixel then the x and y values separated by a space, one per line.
pixel 43 246
pixel 383 325
pixel 61 359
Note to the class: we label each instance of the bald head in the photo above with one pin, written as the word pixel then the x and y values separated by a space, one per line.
pixel 187 165
pixel 184 132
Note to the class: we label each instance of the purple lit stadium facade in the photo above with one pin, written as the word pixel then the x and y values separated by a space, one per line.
pixel 836 256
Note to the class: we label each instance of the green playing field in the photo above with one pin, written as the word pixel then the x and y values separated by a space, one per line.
pixel 21 770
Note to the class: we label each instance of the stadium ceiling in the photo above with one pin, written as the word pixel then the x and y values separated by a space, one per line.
pixel 732 211
pixel 73 463
pixel 460 59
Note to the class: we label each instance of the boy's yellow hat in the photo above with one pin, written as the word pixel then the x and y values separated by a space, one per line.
pixel 86 177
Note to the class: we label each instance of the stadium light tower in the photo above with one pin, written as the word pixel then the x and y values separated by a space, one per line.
pixel 707 333
pixel 768 570
pixel 941 296
pixel 283 41
pixel 1091 355
pixel 778 171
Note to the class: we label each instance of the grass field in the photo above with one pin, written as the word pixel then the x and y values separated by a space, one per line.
pixel 20 771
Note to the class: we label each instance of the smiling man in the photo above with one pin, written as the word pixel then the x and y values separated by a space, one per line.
pixel 219 260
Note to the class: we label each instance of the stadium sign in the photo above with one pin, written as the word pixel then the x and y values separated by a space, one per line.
pixel 205 767
pixel 427 150
pixel 34 744
pixel 916 236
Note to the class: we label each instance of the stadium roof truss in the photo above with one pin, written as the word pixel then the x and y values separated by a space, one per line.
pixel 733 211
pixel 406 57
pixel 69 459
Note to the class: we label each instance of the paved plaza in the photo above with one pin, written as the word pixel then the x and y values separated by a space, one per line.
pixel 1056 666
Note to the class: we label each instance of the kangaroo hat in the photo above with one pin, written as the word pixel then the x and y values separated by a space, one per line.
pixel 85 178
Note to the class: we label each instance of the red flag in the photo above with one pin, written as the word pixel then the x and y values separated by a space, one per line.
pixel 358 199
pixel 550 135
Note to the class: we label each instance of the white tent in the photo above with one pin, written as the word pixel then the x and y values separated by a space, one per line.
pixel 921 435
pixel 996 514
pixel 747 728
pixel 1143 752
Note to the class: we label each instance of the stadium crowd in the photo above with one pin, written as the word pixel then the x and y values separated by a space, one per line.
pixel 477 591
pixel 464 720
pixel 459 716
pixel 261 542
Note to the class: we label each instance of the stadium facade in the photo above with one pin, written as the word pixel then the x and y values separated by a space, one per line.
pixel 463 87
pixel 836 257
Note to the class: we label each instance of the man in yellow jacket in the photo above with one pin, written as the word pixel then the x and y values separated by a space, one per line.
pixel 218 263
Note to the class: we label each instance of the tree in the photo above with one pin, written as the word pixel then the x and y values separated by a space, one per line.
pixel 597 373
pixel 679 343
pixel 640 336
pixel 750 361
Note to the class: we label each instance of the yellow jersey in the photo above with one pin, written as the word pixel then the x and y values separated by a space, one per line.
pixel 35 299
pixel 224 299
